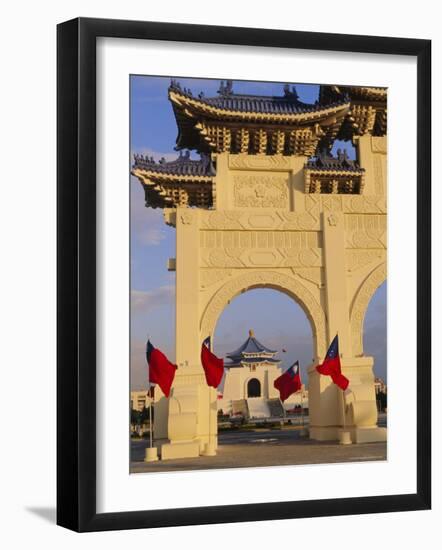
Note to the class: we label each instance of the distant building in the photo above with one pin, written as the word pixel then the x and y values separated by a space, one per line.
pixel 139 400
pixel 248 384
pixel 380 386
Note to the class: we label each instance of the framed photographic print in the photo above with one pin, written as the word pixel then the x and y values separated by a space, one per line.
pixel 231 202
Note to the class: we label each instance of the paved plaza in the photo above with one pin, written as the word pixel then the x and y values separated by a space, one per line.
pixel 262 447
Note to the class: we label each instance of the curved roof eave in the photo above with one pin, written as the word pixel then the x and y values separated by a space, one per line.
pixel 183 103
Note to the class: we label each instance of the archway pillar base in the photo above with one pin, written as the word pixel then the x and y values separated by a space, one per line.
pixel 190 430
pixel 328 403
pixel 368 435
pixel 372 434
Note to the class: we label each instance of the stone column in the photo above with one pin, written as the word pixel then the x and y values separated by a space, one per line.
pixel 361 398
pixel 372 156
pixel 327 402
pixel 191 410
pixel 187 287
pixel 325 398
pixel 336 280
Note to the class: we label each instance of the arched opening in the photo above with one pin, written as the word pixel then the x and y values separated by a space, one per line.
pixel 277 321
pixel 375 340
pixel 269 281
pixel 253 388
pixel 361 302
pixel 260 334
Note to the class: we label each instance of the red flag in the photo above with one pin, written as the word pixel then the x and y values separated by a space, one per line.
pixel 213 366
pixel 332 365
pixel 289 382
pixel 161 370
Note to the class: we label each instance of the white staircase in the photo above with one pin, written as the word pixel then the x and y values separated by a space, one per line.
pixel 239 406
pixel 275 407
pixel 258 407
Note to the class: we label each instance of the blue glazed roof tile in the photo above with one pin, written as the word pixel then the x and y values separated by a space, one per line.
pixel 288 103
pixel 251 345
pixel 240 360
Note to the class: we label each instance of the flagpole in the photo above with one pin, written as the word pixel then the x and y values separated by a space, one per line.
pixel 209 448
pixel 303 431
pixel 150 421
pixel 343 400
pixel 150 408
pixel 345 438
pixel 302 412
pixel 210 416
pixel 210 421
pixel 302 408
pixel 151 454
pixel 343 410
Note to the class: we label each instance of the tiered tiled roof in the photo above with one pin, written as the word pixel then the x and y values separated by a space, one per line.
pixel 182 166
pixel 243 123
pixel 262 125
pixel 251 352
pixel 325 161
pixel 368 112
pixel 180 182
pixel 227 100
pixel 328 174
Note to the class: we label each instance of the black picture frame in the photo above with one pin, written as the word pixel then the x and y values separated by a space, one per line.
pixel 76 274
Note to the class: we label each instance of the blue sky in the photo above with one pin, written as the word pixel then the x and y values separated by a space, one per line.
pixel 277 320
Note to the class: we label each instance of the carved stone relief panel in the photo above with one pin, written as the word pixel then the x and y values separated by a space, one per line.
pixel 280 219
pixel 259 239
pixel 224 219
pixel 234 249
pixel 187 216
pixel 366 231
pixel 379 144
pixel 314 275
pixel 378 175
pixel 261 257
pixel 261 191
pixel 365 204
pixel 357 259
pixel 209 277
pixel 331 203
pixel 302 221
pixel 259 162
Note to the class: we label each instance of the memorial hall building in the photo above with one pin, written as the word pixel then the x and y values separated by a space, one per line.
pixel 247 388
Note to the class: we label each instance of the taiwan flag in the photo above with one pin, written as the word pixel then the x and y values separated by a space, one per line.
pixel 332 365
pixel 289 382
pixel 213 366
pixel 161 370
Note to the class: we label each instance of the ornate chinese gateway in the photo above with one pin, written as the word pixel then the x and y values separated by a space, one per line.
pixel 268 206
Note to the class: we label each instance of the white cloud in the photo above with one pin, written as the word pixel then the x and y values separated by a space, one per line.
pixel 146 300
pixel 147 224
